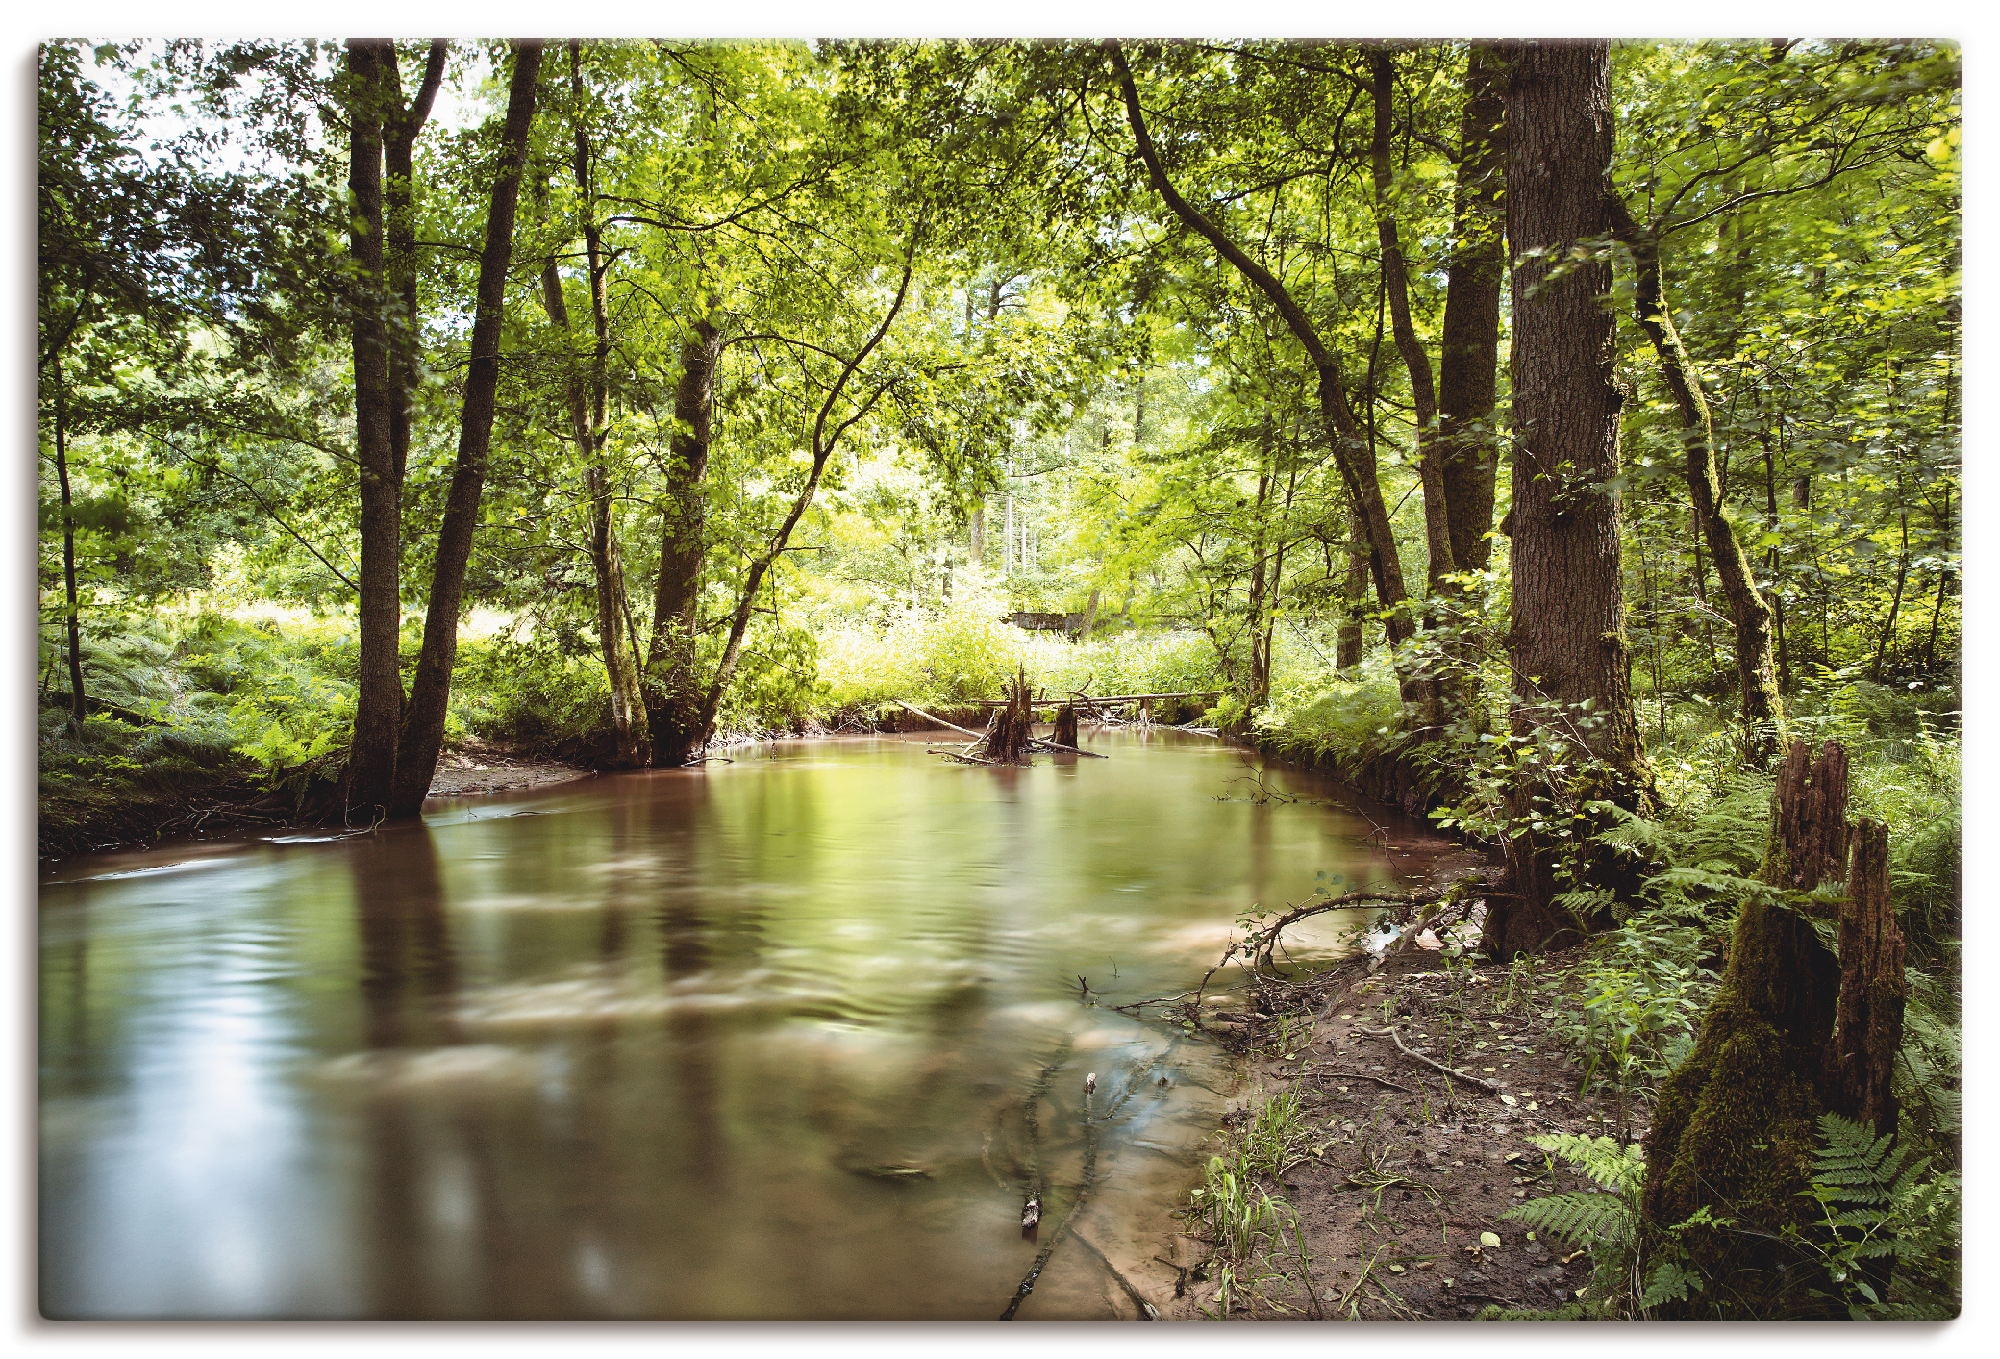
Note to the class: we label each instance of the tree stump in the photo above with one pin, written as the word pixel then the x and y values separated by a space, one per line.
pixel 1794 1033
pixel 1065 732
pixel 1012 727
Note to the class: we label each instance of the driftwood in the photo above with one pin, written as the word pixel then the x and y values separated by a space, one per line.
pixel 932 717
pixel 1044 743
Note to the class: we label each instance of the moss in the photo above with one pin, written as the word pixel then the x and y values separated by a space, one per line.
pixel 1734 1132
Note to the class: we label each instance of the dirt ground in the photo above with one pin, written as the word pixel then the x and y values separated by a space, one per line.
pixel 475 771
pixel 1401 1169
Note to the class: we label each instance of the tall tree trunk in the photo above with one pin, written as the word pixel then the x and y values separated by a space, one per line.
pixel 1756 665
pixel 72 629
pixel 589 401
pixel 372 759
pixel 1351 453
pixel 1469 357
pixel 672 689
pixel 1259 680
pixel 430 692
pixel 1571 668
pixel 633 747
pixel 1350 641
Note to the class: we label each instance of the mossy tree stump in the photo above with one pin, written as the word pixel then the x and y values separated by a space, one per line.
pixel 1795 1032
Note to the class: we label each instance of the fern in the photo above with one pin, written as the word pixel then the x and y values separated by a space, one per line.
pixel 1880 1203
pixel 1581 1218
pixel 1618 1169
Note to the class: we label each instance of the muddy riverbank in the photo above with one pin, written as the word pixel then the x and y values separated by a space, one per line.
pixel 1398 1175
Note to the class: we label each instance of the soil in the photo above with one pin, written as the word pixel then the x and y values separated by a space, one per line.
pixel 477 770
pixel 1403 1168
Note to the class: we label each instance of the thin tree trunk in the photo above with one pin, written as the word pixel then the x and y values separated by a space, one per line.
pixel 1350 641
pixel 72 629
pixel 1352 456
pixel 825 441
pixel 1771 560
pixel 1468 359
pixel 1259 679
pixel 378 708
pixel 423 728
pixel 633 747
pixel 1756 665
pixel 590 421
pixel 1571 665
pixel 1888 637
pixel 1416 362
pixel 673 692
pixel 399 140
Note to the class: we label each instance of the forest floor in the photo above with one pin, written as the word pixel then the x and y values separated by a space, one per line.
pixel 1399 1174
pixel 474 770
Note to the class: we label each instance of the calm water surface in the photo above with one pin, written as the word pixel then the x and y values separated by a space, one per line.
pixel 763 1040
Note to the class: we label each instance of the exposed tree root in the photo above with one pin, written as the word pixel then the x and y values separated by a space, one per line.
pixel 1430 1062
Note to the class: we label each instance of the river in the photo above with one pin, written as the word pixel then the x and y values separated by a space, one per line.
pixel 782 1038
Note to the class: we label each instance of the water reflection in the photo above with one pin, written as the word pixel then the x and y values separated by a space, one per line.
pixel 789 1038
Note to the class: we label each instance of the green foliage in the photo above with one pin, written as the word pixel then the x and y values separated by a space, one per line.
pixel 532 692
pixel 1643 988
pixel 1885 1216
pixel 1314 715
pixel 1605 1222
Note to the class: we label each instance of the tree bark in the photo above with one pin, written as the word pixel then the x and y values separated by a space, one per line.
pixel 372 758
pixel 399 140
pixel 588 396
pixel 1349 642
pixel 430 692
pixel 672 690
pixel 72 627
pixel 633 747
pixel 1469 357
pixel 1571 668
pixel 1756 666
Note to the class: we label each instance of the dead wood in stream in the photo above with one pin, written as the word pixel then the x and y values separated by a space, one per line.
pixel 1089 1178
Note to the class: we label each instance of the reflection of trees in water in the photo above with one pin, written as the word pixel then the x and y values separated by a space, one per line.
pixel 409 986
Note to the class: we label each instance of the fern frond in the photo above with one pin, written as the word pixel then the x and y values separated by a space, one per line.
pixel 1581 1217
pixel 1618 1169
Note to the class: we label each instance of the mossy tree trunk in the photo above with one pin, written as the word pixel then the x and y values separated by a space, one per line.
pixel 1794 1033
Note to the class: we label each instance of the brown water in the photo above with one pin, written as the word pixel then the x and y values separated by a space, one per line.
pixel 755 1041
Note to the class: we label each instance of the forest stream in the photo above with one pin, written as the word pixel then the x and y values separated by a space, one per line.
pixel 789 1037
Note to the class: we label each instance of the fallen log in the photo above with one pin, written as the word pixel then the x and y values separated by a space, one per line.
pixel 933 717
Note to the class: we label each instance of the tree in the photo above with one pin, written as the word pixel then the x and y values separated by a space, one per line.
pixel 1571 668
pixel 423 724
